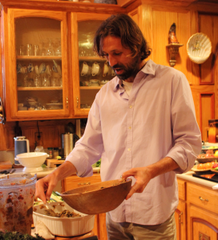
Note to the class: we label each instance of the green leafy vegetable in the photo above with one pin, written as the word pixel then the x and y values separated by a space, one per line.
pixel 18 236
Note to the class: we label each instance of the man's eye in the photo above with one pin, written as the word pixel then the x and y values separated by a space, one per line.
pixel 117 53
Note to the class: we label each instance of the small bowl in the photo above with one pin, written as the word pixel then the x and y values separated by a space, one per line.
pixel 199 48
pixel 98 197
pixel 32 161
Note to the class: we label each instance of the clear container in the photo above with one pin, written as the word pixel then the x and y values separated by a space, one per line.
pixel 16 201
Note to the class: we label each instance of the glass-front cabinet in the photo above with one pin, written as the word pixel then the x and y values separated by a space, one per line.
pixel 35 65
pixel 90 72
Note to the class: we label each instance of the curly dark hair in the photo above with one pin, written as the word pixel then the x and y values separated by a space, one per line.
pixel 122 26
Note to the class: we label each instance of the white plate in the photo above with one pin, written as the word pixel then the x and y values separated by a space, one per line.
pixel 199 48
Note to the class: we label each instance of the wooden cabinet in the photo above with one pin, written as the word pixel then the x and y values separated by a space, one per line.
pixel 180 213
pixel 35 60
pixel 89 72
pixel 196 215
pixel 202 212
pixel 100 219
pixel 45 46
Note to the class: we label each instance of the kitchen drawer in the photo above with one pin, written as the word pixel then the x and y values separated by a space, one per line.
pixel 202 197
pixel 74 181
pixel 181 189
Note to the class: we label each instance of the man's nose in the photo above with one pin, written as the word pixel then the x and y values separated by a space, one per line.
pixel 112 61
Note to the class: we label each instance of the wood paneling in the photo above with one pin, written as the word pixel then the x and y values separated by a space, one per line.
pixel 207 112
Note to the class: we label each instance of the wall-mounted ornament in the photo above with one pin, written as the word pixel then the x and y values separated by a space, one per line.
pixel 199 48
pixel 173 45
pixel 2 112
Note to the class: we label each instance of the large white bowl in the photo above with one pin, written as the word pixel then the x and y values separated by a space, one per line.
pixel 199 48
pixel 32 161
pixel 66 226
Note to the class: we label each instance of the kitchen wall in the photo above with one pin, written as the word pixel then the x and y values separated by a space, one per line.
pixel 155 19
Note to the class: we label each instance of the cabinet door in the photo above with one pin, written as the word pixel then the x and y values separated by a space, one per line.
pixel 35 64
pixel 89 72
pixel 180 218
pixel 202 224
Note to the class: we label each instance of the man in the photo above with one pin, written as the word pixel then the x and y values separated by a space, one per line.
pixel 142 124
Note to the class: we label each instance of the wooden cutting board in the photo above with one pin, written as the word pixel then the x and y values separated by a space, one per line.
pixel 90 234
pixel 5 165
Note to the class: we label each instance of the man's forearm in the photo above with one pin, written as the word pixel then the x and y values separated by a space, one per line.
pixel 64 170
pixel 166 164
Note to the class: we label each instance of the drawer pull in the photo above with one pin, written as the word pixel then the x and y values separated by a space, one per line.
pixel 85 183
pixel 203 200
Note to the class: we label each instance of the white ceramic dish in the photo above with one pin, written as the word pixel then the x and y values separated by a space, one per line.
pixel 199 48
pixel 32 161
pixel 65 226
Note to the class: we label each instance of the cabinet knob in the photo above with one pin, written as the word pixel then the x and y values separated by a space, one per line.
pixel 67 102
pixel 203 200
pixel 77 102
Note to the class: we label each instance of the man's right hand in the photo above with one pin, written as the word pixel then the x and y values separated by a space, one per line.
pixel 45 186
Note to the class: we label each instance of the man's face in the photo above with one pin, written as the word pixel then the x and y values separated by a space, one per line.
pixel 119 58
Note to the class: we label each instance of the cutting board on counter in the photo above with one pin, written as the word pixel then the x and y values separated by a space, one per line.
pixel 5 165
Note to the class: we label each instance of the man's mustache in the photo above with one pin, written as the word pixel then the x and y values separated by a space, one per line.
pixel 116 66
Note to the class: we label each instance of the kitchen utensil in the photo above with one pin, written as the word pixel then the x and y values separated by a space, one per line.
pixel 16 201
pixel 21 145
pixel 199 48
pixel 68 141
pixel 32 161
pixel 98 197
pixel 64 226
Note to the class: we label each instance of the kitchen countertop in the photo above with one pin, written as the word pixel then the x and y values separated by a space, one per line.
pixel 188 177
pixel 39 174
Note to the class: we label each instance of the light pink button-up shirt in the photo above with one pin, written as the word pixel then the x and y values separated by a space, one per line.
pixel 157 120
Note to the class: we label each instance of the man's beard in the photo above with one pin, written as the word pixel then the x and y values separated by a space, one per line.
pixel 130 70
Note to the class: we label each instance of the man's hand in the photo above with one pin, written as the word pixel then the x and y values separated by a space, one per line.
pixel 45 186
pixel 142 176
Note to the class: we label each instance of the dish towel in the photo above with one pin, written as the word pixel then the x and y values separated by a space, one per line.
pixel 42 230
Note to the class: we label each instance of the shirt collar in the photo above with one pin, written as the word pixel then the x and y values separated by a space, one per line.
pixel 148 69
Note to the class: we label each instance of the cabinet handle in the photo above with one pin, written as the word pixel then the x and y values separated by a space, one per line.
pixel 77 102
pixel 85 183
pixel 203 200
pixel 180 218
pixel 67 102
